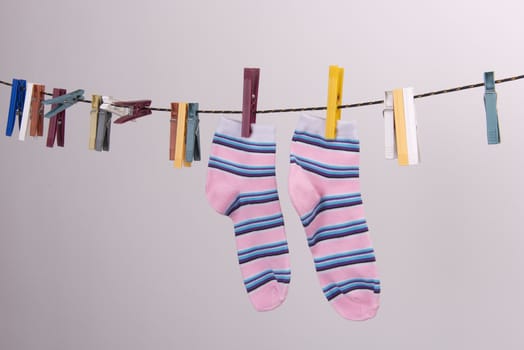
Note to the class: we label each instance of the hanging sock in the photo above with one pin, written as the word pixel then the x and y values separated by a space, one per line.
pixel 324 187
pixel 490 104
pixel 241 184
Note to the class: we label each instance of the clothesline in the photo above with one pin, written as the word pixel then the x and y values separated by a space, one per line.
pixel 303 109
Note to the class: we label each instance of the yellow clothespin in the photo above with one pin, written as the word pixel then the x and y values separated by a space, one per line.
pixel 336 82
pixel 400 126
pixel 180 147
pixel 95 106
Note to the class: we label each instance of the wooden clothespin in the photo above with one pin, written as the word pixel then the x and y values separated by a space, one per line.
pixel 405 126
pixel 37 111
pixel 26 114
pixel 103 128
pixel 63 102
pixel 250 99
pixel 96 101
pixel 136 110
pixel 16 107
pixel 173 130
pixel 490 104
pixel 180 150
pixel 56 128
pixel 335 85
pixel 390 148
pixel 192 133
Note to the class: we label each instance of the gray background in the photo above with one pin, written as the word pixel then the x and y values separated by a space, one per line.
pixel 121 251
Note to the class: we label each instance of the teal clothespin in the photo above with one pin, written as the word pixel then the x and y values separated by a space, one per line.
pixel 63 102
pixel 490 103
pixel 192 133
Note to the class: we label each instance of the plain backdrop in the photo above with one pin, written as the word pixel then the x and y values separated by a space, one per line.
pixel 119 250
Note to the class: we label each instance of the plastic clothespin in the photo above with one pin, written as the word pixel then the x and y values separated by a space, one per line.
pixel 400 126
pixel 411 126
pixel 108 105
pixel 103 129
pixel 405 126
pixel 96 101
pixel 192 133
pixel 26 114
pixel 490 104
pixel 389 127
pixel 63 102
pixel 16 106
pixel 250 99
pixel 137 109
pixel 335 85
pixel 173 130
pixel 37 111
pixel 180 151
pixel 57 122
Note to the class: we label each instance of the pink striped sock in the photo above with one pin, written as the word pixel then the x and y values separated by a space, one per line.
pixel 324 187
pixel 241 184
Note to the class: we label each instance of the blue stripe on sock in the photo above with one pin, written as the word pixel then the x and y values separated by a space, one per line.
pixel 334 289
pixel 359 259
pixel 337 231
pixel 241 170
pixel 324 169
pixel 263 254
pixel 331 202
pixel 343 255
pixel 259 224
pixel 337 144
pixel 244 145
pixel 249 198
pixel 254 282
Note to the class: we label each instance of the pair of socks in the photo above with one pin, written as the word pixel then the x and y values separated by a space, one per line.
pixel 324 187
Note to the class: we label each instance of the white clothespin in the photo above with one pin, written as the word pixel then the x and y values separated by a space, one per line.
pixel 27 111
pixel 411 126
pixel 389 127
pixel 107 105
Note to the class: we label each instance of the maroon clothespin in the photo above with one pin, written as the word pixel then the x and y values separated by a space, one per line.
pixel 137 109
pixel 56 123
pixel 249 102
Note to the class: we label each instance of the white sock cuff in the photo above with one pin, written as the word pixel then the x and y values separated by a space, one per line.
pixel 259 132
pixel 317 125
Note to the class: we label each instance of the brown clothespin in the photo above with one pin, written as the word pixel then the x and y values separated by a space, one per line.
pixel 56 123
pixel 37 111
pixel 172 131
pixel 137 109
pixel 250 99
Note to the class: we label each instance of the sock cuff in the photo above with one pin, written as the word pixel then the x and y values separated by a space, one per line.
pixel 317 125
pixel 233 128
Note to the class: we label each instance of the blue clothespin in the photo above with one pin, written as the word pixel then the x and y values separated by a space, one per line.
pixel 63 102
pixel 192 133
pixel 490 103
pixel 16 106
